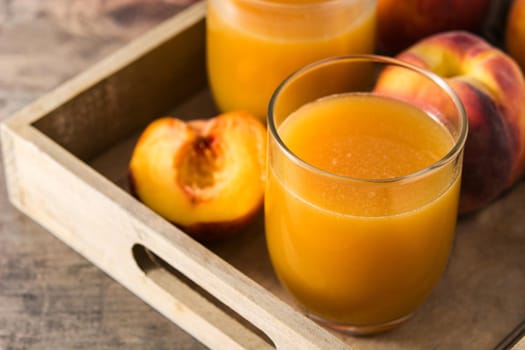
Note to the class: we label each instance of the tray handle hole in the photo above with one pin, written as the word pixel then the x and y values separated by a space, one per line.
pixel 169 278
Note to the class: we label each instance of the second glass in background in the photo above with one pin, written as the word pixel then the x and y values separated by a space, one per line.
pixel 252 45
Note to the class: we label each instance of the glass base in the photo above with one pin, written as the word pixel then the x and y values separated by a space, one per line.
pixel 361 330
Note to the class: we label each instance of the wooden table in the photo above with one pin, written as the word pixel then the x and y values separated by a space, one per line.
pixel 50 297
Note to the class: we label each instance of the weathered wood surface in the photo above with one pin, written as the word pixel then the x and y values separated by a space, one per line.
pixel 50 297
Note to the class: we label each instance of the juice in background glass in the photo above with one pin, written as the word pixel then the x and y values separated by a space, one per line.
pixel 252 45
pixel 361 199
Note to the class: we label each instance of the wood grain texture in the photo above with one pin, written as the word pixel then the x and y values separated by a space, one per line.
pixel 51 297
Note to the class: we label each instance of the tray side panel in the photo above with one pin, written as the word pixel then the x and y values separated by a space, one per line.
pixel 127 100
pixel 103 223
pixel 100 230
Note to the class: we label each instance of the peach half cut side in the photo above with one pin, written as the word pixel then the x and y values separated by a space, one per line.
pixel 205 176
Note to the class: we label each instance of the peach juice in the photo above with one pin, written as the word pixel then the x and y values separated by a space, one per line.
pixel 363 245
pixel 252 45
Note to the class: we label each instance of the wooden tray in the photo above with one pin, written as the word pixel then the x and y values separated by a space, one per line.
pixel 66 159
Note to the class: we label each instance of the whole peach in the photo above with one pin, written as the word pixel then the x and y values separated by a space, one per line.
pixel 515 32
pixel 402 23
pixel 491 87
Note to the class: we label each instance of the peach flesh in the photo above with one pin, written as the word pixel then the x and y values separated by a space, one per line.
pixel 205 176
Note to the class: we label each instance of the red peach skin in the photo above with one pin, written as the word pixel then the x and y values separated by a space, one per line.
pixel 402 23
pixel 492 89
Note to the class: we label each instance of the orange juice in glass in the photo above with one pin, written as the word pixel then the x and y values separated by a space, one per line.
pixel 362 192
pixel 252 45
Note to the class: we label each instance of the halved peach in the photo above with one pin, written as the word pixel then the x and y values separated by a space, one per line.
pixel 205 176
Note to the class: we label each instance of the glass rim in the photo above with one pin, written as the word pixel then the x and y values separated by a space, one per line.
pixel 458 146
pixel 295 6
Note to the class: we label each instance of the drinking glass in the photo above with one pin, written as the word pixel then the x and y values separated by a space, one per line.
pixel 362 188
pixel 252 45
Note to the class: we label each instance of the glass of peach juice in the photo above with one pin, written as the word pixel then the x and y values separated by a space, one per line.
pixel 252 45
pixel 362 189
